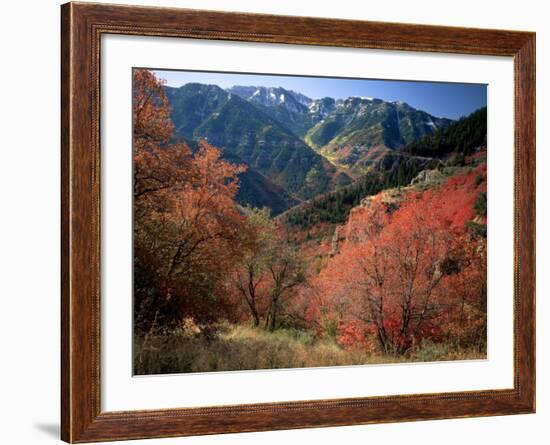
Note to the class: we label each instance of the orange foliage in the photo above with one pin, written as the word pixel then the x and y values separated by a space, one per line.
pixel 186 222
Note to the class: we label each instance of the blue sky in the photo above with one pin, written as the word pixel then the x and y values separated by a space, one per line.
pixel 441 99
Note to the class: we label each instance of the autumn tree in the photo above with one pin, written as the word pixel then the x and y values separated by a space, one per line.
pixel 158 165
pixel 258 239
pixel 270 269
pixel 411 270
pixel 186 222
pixel 286 269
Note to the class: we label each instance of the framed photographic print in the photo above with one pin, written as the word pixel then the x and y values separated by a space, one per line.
pixel 278 222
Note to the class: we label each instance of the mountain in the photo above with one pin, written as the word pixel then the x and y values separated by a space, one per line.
pixel 359 128
pixel 272 96
pixel 395 169
pixel 360 121
pixel 287 107
pixel 465 136
pixel 460 146
pixel 372 122
pixel 295 111
pixel 268 147
pixel 234 124
pixel 296 147
pixel 192 104
pixel 345 131
pixel 256 190
pixel 321 108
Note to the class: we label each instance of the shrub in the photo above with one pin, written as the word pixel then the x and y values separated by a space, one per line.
pixel 430 351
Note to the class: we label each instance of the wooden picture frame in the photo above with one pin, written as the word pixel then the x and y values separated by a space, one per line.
pixel 82 26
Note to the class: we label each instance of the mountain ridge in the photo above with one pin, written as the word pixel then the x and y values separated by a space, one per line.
pixel 344 130
pixel 295 146
pixel 242 129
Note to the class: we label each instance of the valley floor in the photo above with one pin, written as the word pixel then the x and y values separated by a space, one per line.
pixel 239 347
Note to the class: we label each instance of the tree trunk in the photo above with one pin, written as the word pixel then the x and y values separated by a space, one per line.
pixel 273 319
pixel 256 318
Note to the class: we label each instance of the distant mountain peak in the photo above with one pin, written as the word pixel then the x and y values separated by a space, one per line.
pixel 370 99
pixel 355 131
pixel 269 96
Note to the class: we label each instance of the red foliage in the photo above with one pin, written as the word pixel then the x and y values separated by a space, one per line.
pixel 411 272
pixel 353 334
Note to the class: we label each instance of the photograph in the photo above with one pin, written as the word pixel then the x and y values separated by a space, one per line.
pixel 284 221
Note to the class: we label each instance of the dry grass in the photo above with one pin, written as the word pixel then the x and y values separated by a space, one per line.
pixel 237 347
